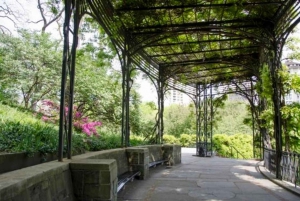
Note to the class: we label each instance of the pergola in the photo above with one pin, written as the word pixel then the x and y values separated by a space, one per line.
pixel 185 45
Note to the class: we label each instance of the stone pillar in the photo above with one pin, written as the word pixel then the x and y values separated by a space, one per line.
pixel 172 153
pixel 94 179
pixel 138 159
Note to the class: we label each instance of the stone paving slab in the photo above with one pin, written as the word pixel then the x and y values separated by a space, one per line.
pixel 210 179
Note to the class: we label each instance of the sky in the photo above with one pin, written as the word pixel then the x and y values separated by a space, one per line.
pixel 24 9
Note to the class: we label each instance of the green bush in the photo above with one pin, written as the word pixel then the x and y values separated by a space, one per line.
pixel 34 137
pixel 27 137
pixel 185 140
pixel 193 139
pixel 111 141
pixel 15 114
pixel 220 141
pixel 94 143
pixel 225 145
pixel 79 144
pixel 137 140
pixel 170 139
pixel 104 141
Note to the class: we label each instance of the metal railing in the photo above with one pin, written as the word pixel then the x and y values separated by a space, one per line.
pixel 270 160
pixel 231 153
pixel 290 170
pixel 289 165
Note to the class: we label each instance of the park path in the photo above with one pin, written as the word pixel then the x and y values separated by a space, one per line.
pixel 211 179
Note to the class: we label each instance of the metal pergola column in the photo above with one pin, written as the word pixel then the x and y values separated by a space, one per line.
pixel 160 98
pixel 211 118
pixel 276 98
pixel 253 118
pixel 126 86
pixel 265 137
pixel 198 117
pixel 205 117
pixel 204 107
pixel 67 83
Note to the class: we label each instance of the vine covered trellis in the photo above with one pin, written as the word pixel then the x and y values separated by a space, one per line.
pixel 184 45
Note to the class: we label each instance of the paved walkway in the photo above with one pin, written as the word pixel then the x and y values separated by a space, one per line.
pixel 212 179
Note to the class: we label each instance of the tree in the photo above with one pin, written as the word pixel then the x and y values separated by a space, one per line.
pixel 98 91
pixel 30 66
pixel 231 119
pixel 97 88
pixel 51 11
pixel 135 117
pixel 218 103
pixel 179 119
pixel 289 112
pixel 292 47
pixel 144 114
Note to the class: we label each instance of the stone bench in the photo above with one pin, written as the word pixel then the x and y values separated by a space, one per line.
pixel 159 162
pixel 126 177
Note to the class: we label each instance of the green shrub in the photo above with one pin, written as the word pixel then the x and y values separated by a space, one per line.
pixel 23 131
pixel 170 139
pixel 94 143
pixel 243 143
pixel 79 144
pixel 185 140
pixel 225 145
pixel 8 113
pixel 27 137
pixel 193 140
pixel 34 137
pixel 137 140
pixel 220 141
pixel 111 141
pixel 104 141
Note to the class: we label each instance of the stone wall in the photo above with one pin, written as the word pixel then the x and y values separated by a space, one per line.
pixel 138 159
pixel 48 181
pixel 172 153
pixel 95 171
pixel 155 152
pixel 15 161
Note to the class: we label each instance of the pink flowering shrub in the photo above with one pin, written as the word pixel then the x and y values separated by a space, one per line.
pixel 50 113
pixel 85 125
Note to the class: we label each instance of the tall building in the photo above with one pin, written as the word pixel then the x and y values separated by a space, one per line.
pixel 176 97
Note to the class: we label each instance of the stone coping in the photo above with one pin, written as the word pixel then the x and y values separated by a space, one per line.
pixel 13 184
pixel 284 184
